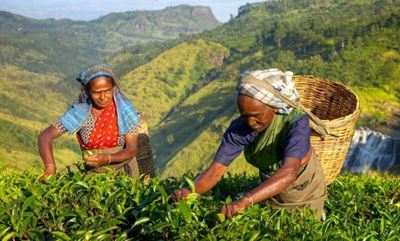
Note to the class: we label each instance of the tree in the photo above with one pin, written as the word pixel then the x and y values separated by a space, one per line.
pixel 278 33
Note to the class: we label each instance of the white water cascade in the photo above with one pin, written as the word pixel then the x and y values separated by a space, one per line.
pixel 372 150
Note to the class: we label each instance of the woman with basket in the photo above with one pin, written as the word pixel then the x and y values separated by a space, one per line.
pixel 275 138
pixel 105 123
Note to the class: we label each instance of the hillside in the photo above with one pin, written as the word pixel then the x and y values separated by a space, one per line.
pixel 40 59
pixel 123 29
pixel 37 45
pixel 25 113
pixel 186 86
pixel 197 126
pixel 159 86
pixel 305 38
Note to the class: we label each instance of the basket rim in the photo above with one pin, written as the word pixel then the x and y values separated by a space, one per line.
pixel 356 111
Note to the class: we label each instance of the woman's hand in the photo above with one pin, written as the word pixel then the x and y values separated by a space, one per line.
pixel 203 183
pixel 97 160
pixel 50 170
pixel 235 207
pixel 180 194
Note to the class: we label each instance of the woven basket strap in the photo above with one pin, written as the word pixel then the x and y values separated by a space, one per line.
pixel 315 123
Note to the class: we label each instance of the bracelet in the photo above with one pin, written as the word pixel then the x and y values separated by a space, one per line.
pixel 50 164
pixel 251 198
pixel 109 159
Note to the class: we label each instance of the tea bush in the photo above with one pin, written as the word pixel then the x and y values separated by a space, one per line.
pixel 79 206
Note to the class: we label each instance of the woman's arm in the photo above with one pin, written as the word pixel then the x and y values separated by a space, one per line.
pixel 207 180
pixel 204 182
pixel 127 153
pixel 276 184
pixel 235 138
pixel 131 143
pixel 45 144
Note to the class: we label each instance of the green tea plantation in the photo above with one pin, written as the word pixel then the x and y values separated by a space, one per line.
pixel 79 206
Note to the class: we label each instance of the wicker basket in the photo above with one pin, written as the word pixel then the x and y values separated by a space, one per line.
pixel 338 107
pixel 144 154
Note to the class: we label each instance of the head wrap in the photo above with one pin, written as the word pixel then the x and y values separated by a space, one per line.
pixel 79 111
pixel 94 71
pixel 280 81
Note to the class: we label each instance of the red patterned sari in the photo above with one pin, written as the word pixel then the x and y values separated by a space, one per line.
pixel 105 131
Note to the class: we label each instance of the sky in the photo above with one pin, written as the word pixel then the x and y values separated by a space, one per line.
pixel 92 9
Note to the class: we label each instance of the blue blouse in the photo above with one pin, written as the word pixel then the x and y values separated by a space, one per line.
pixel 239 134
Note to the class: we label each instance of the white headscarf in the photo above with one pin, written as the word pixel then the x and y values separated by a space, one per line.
pixel 282 82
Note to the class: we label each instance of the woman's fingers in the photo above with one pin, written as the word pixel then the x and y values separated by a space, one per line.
pixel 223 210
pixel 229 210
pixel 87 158
pixel 47 173
pixel 93 161
pixel 43 176
pixel 93 164
pixel 180 194
pixel 177 195
pixel 96 160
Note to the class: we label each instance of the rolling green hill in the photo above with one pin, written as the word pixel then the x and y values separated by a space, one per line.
pixel 197 126
pixel 37 45
pixel 28 103
pixel 354 43
pixel 40 58
pixel 159 86
pixel 186 86
pixel 124 29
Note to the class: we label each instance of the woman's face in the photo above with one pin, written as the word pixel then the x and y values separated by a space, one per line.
pixel 101 91
pixel 255 113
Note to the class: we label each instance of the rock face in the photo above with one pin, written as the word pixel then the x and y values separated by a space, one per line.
pixel 372 150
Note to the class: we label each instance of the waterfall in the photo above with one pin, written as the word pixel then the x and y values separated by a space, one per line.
pixel 372 150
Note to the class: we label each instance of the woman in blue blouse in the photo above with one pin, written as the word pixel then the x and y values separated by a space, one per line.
pixel 275 138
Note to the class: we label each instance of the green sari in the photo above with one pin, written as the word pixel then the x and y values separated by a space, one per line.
pixel 266 153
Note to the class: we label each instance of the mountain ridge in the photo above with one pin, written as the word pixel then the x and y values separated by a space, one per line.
pixel 190 101
pixel 37 44
pixel 25 66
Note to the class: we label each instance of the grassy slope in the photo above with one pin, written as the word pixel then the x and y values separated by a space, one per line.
pixel 37 45
pixel 24 113
pixel 29 47
pixel 196 126
pixel 160 85
pixel 196 144
pixel 40 51
pixel 193 124
pixel 123 29
pixel 196 138
pixel 18 99
pixel 385 53
pixel 371 69
pixel 20 104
